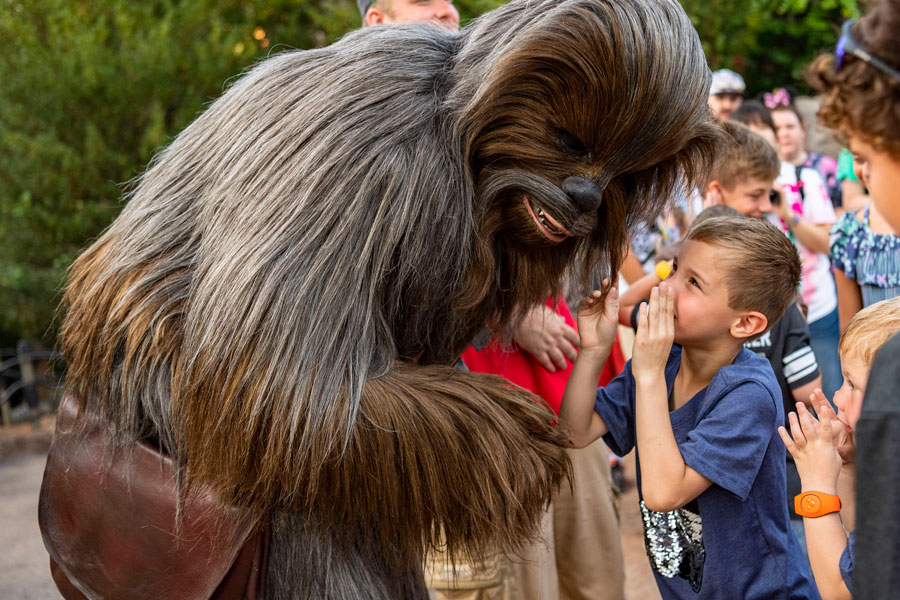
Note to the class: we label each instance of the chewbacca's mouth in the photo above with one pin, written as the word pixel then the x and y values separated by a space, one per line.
pixel 547 225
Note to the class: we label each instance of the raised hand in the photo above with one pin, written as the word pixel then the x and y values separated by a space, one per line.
pixel 811 443
pixel 842 435
pixel 598 318
pixel 655 333
pixel 547 337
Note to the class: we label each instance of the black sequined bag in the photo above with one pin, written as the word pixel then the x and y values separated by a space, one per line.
pixel 674 543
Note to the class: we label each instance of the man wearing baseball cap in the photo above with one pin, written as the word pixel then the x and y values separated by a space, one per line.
pixel 380 12
pixel 726 93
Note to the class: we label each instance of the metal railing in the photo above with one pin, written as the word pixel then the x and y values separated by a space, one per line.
pixel 21 377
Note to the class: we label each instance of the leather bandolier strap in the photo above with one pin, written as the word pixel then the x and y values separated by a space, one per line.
pixel 108 519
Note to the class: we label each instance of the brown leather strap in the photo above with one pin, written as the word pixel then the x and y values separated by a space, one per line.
pixel 68 591
pixel 247 577
pixel 108 518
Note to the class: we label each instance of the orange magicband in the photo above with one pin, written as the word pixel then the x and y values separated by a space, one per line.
pixel 816 504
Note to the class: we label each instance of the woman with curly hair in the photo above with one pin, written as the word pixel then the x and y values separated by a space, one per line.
pixel 861 88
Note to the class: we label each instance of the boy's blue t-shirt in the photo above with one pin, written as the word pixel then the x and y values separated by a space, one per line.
pixel 735 540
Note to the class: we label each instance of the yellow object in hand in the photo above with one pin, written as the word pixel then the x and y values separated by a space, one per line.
pixel 663 268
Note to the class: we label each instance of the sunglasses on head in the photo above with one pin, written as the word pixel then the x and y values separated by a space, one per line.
pixel 847 44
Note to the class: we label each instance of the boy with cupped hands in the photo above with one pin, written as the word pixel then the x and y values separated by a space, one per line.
pixel 703 413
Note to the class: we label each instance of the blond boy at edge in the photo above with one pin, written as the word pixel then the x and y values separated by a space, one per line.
pixel 825 452
pixel 703 414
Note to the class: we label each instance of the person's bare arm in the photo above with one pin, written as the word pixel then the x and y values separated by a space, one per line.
pixel 631 268
pixel 547 337
pixel 849 297
pixel 576 412
pixel 818 462
pixel 846 489
pixel 637 292
pixel 853 195
pixel 803 393
pixel 598 327
pixel 667 482
pixel 814 237
pixel 844 442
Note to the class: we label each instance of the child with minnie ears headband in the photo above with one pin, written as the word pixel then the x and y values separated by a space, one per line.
pixel 861 99
pixel 791 133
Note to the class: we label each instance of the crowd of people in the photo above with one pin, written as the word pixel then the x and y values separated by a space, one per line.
pixel 747 349
pixel 759 305
pixel 843 222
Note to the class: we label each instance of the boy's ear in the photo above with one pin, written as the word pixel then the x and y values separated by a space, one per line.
pixel 749 325
pixel 713 194
pixel 374 17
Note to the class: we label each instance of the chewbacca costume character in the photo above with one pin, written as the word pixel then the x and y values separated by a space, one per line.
pixel 260 346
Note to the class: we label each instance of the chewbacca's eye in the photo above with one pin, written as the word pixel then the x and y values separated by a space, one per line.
pixel 570 143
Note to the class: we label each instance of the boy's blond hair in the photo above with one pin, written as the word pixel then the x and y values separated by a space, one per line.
pixel 869 329
pixel 747 156
pixel 763 267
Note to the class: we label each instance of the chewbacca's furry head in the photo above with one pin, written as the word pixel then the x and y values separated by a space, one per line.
pixel 580 119
pixel 342 209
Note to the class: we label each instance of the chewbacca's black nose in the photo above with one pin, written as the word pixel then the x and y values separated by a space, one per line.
pixel 586 194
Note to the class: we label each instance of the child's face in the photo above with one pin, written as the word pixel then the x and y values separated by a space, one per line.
pixel 848 399
pixel 790 134
pixel 702 313
pixel 881 172
pixel 750 197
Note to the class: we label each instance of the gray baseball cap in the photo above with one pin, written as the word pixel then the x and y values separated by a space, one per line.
pixel 724 81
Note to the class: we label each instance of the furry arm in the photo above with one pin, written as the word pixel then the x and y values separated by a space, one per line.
pixel 431 446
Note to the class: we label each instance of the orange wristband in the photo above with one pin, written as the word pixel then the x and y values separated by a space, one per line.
pixel 816 504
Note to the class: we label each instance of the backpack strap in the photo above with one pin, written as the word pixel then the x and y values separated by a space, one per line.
pixel 798 170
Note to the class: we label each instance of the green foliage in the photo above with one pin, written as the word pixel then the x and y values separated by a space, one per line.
pixel 469 9
pixel 92 89
pixel 769 42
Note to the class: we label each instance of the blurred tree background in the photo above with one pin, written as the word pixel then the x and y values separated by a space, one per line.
pixel 91 89
pixel 769 42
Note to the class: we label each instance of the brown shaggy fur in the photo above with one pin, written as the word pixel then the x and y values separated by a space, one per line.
pixel 279 303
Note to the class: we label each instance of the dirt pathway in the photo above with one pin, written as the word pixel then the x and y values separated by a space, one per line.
pixel 25 575
pixel 24 570
pixel 639 583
